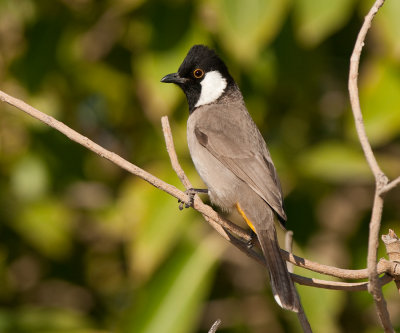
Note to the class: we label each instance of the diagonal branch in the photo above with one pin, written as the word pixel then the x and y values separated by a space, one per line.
pixel 236 235
pixel 89 144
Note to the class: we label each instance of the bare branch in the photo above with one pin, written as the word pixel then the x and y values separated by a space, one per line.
pixel 301 315
pixel 394 183
pixel 289 247
pixel 305 324
pixel 84 141
pixel 215 326
pixel 336 285
pixel 353 91
pixel 380 178
pixel 169 141
pixel 384 266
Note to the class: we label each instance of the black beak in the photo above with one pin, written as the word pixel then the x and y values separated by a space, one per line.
pixel 173 78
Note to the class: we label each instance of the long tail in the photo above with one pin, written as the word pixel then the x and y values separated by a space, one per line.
pixel 282 285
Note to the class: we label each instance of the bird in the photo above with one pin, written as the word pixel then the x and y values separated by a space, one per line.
pixel 232 158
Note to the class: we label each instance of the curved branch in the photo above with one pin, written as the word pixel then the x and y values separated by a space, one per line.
pixel 384 266
pixel 336 285
pixel 353 91
pixel 380 178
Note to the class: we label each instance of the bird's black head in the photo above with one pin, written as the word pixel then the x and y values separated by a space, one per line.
pixel 202 76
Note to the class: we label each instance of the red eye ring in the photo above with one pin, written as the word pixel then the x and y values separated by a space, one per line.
pixel 198 73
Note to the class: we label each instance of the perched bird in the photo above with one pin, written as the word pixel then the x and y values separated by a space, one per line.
pixel 232 158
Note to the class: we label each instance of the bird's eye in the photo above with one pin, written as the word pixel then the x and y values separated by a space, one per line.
pixel 198 73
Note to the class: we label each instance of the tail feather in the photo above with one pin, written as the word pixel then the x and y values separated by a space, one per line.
pixel 282 285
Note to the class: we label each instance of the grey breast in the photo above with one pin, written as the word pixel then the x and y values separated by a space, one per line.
pixel 220 181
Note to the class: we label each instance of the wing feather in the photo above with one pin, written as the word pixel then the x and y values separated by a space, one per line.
pixel 245 154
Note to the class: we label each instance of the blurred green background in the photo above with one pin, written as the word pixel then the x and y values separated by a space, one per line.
pixel 86 247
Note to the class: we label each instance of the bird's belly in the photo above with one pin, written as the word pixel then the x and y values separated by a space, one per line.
pixel 222 184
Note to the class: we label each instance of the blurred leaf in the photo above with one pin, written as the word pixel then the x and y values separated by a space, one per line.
pixel 246 26
pixel 322 307
pixel 31 319
pixel 29 178
pixel 177 293
pixel 388 23
pixel 380 102
pixel 158 99
pixel 98 79
pixel 156 225
pixel 46 226
pixel 335 161
pixel 389 163
pixel 315 20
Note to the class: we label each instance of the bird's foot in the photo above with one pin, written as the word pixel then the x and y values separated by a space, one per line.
pixel 250 242
pixel 191 192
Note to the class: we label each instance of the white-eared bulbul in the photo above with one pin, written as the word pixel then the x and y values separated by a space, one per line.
pixel 232 158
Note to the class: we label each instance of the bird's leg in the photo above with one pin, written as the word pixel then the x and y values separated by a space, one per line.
pixel 191 192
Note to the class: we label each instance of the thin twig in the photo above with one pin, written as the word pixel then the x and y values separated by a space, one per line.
pixel 215 326
pixel 384 266
pixel 289 248
pixel 305 324
pixel 337 285
pixel 301 315
pixel 169 141
pixel 374 288
pixel 353 90
pixel 84 141
pixel 380 178
pixel 388 187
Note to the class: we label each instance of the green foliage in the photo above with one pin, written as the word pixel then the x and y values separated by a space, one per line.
pixel 317 20
pixel 380 93
pixel 85 247
pixel 333 161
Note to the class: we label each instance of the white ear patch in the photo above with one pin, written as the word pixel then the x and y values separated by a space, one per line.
pixel 212 87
